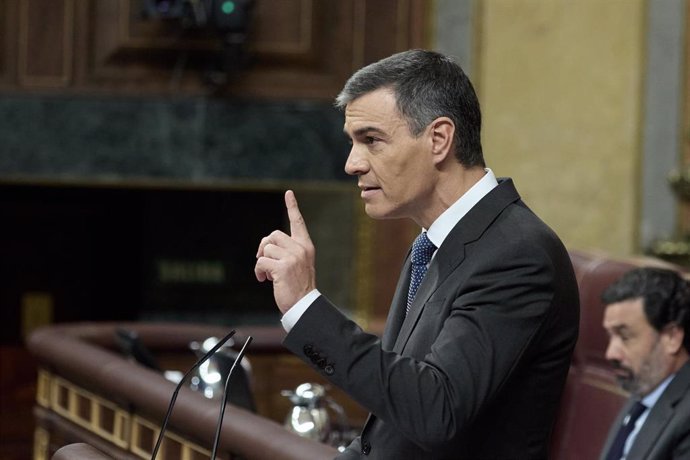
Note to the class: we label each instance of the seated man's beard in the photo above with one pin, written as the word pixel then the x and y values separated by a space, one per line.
pixel 652 372
pixel 626 378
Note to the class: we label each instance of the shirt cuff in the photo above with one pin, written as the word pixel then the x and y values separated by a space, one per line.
pixel 293 315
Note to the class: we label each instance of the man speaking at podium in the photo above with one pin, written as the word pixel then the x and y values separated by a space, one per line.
pixel 479 336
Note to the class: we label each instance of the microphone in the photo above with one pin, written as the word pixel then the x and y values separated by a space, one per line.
pixel 238 359
pixel 220 343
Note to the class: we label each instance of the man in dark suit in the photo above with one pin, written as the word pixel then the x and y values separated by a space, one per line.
pixel 647 317
pixel 478 340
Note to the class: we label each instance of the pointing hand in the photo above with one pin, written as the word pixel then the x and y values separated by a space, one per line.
pixel 288 260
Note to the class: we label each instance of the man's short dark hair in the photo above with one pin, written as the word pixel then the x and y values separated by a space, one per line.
pixel 426 85
pixel 665 297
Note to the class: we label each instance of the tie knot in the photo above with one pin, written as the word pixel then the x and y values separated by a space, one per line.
pixel 635 411
pixel 422 250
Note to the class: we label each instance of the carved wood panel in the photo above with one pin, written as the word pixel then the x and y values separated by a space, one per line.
pixel 45 42
pixel 295 48
pixel 7 50
pixel 3 40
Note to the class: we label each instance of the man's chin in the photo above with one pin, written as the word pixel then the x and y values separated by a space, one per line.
pixel 377 212
pixel 626 384
pixel 631 385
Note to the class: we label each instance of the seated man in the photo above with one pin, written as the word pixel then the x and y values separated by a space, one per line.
pixel 647 318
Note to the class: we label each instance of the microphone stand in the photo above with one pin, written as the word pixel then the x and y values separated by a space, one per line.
pixel 179 385
pixel 238 359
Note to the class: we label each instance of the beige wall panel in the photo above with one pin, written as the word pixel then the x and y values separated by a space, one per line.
pixel 561 86
pixel 685 206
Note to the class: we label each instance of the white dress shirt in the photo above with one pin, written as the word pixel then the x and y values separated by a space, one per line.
pixel 649 401
pixel 437 233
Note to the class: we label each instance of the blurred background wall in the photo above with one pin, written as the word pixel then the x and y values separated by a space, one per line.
pixel 585 105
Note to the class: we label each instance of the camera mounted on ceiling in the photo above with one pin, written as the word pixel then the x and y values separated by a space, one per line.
pixel 227 19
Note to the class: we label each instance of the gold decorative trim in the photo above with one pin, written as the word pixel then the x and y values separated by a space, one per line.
pixel 41 443
pixel 136 437
pixel 188 450
pixel 37 309
pixel 88 411
pixel 105 419
pixel 43 389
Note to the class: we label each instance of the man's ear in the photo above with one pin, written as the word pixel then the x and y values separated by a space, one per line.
pixel 672 337
pixel 441 134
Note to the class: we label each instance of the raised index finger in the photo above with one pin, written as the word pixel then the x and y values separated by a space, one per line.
pixel 298 228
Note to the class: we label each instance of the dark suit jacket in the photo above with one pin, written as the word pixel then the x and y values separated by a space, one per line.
pixel 477 367
pixel 665 434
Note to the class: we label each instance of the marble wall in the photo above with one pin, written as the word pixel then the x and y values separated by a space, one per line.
pixel 168 170
pixel 200 139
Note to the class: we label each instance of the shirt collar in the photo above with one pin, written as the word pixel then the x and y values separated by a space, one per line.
pixel 651 399
pixel 441 227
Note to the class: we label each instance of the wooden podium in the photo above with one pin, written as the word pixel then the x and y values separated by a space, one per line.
pixel 92 402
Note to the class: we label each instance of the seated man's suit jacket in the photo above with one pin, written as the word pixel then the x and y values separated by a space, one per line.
pixel 476 369
pixel 665 434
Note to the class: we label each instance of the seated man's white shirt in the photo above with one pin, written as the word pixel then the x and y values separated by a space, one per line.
pixel 649 401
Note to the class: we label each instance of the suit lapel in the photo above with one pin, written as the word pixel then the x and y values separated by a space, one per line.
pixel 396 314
pixel 661 414
pixel 452 253
pixel 434 276
pixel 613 429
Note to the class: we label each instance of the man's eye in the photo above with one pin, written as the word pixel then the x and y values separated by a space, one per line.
pixel 370 140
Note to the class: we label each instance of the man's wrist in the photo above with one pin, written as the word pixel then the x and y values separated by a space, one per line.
pixel 293 315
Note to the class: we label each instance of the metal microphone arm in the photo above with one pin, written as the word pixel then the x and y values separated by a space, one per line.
pixel 179 385
pixel 238 359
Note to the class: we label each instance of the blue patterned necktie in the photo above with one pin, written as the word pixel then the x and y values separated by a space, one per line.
pixel 618 445
pixel 422 250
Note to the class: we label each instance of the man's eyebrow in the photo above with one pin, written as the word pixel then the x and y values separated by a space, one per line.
pixel 364 130
pixel 619 328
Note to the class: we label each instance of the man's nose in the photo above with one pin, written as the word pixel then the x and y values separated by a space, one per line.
pixel 613 351
pixel 355 165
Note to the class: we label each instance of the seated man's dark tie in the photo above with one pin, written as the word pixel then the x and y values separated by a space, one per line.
pixel 616 450
pixel 422 250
